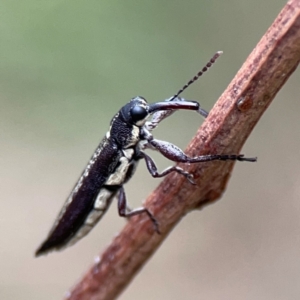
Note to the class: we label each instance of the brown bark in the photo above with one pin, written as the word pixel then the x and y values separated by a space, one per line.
pixel 225 131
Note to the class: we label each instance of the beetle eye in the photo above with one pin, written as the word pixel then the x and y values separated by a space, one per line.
pixel 138 113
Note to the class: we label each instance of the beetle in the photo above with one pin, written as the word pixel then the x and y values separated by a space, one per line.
pixel 114 162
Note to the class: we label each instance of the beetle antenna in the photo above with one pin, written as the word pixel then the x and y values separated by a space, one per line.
pixel 199 74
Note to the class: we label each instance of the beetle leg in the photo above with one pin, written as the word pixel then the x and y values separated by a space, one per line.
pixel 153 169
pixel 174 153
pixel 124 210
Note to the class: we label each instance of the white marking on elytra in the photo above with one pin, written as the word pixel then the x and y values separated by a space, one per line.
pixel 101 200
pixel 93 217
pixel 118 177
pixel 100 206
pixel 84 230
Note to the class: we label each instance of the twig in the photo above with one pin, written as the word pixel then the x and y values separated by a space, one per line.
pixel 225 130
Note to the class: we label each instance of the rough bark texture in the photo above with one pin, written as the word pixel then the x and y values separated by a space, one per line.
pixel 225 131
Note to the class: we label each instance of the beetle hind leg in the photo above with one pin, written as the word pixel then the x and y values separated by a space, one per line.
pixel 124 211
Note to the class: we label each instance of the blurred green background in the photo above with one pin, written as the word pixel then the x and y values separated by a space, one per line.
pixel 66 68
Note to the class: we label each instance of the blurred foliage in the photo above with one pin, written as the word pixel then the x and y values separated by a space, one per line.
pixel 75 59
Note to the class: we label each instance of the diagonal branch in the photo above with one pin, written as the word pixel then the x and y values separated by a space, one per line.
pixel 225 130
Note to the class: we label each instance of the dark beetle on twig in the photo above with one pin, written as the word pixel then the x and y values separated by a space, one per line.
pixel 115 161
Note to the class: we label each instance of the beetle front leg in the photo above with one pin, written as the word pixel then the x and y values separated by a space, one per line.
pixel 125 212
pixel 174 153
